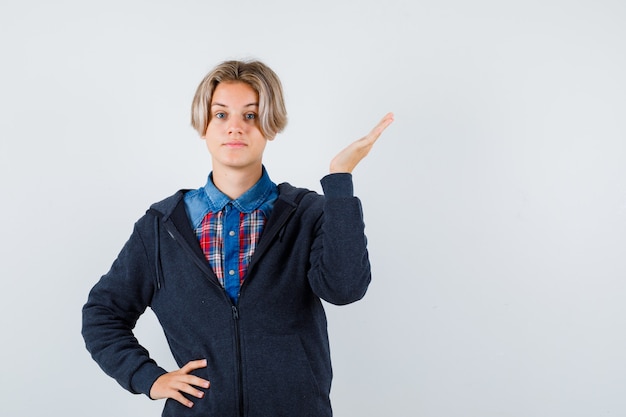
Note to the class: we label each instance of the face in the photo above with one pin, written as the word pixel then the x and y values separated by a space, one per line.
pixel 233 136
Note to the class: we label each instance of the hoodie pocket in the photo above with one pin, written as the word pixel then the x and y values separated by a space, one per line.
pixel 279 379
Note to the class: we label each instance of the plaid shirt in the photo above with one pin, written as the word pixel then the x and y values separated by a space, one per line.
pixel 231 251
pixel 229 230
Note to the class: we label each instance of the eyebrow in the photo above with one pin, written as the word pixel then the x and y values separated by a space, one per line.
pixel 224 105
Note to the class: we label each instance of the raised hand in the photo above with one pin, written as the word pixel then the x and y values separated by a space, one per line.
pixel 349 157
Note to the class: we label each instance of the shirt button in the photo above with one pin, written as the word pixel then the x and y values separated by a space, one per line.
pixel 231 272
pixel 231 233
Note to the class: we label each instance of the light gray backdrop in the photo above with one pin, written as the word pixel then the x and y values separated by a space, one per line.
pixel 495 204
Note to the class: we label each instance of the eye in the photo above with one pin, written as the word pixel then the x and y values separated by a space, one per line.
pixel 250 116
pixel 220 115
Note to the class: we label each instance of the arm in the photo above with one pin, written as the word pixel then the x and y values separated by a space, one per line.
pixel 114 305
pixel 340 272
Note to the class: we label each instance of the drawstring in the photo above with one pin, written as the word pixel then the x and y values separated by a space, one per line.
pixel 281 232
pixel 157 253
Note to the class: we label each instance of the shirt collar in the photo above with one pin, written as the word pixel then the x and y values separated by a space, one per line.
pixel 246 203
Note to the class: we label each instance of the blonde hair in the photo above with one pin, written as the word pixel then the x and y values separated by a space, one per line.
pixel 272 112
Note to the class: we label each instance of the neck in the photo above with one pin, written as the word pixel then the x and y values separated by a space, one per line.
pixel 233 182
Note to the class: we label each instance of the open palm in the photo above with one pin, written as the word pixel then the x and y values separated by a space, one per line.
pixel 349 157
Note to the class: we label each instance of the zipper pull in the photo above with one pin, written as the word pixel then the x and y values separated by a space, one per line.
pixel 235 313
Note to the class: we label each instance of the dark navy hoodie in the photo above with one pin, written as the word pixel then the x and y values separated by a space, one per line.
pixel 268 355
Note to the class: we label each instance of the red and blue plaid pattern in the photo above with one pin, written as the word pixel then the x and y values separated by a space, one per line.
pixel 211 238
pixel 250 228
pixel 210 234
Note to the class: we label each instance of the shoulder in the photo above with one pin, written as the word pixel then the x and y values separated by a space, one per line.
pixel 168 204
pixel 296 195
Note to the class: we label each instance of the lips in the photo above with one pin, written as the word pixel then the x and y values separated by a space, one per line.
pixel 235 144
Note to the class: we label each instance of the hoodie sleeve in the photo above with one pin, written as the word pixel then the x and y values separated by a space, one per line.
pixel 113 307
pixel 340 272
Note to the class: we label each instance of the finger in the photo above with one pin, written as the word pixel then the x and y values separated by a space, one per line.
pixel 193 365
pixel 387 119
pixel 177 396
pixel 380 127
pixel 188 389
pixel 197 381
pixel 193 380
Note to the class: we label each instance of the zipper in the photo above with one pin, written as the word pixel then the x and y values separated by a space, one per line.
pixel 275 228
pixel 261 248
pixel 173 232
pixel 238 353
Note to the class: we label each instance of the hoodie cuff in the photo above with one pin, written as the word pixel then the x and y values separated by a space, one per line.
pixel 145 377
pixel 338 185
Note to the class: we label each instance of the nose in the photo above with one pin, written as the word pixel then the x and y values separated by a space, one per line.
pixel 235 126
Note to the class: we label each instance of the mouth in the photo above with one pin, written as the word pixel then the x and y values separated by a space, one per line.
pixel 235 144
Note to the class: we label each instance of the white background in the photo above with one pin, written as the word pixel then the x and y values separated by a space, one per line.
pixel 495 204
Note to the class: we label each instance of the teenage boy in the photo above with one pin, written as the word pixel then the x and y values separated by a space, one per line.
pixel 235 271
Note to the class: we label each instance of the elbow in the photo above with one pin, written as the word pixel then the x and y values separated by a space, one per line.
pixel 346 290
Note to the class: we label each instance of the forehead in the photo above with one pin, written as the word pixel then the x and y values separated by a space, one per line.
pixel 233 94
